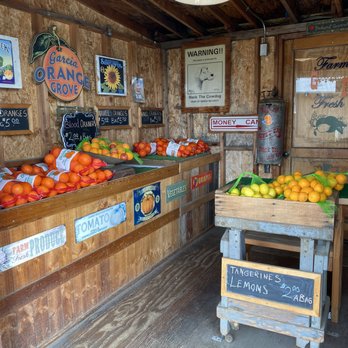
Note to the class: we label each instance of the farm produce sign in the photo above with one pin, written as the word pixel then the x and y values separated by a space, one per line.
pixel 61 68
pixel 16 253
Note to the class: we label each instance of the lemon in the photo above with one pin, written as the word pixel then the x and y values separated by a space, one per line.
pixel 255 188
pixel 272 192
pixel 257 195
pixel 264 189
pixel 247 191
pixel 267 196
pixel 234 192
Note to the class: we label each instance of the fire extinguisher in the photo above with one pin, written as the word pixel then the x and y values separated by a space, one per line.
pixel 270 133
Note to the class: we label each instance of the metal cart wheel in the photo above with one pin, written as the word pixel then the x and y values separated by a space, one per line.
pixel 229 338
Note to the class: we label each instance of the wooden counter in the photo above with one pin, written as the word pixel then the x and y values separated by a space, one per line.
pixel 42 297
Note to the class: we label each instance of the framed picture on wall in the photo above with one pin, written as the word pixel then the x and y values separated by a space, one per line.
pixel 111 76
pixel 206 76
pixel 10 68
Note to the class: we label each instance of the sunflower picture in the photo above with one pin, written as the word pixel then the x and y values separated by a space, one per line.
pixel 111 76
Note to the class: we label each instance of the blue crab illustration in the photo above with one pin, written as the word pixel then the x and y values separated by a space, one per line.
pixel 327 124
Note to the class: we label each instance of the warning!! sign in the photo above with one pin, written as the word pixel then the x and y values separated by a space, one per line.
pixel 233 123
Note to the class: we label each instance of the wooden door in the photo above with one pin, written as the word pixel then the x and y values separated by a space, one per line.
pixel 315 88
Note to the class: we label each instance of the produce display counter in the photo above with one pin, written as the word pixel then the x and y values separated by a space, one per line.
pixel 61 257
pixel 284 300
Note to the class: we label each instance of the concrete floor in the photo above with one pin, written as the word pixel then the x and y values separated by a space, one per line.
pixel 174 306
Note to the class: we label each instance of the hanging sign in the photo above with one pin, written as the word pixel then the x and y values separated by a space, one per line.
pixel 61 68
pixel 233 123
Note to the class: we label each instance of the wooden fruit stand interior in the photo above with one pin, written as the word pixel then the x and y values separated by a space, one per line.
pixel 43 297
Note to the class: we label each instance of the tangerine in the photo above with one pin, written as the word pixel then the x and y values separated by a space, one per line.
pixel 8 187
pixel 341 179
pixel 74 178
pixel 33 196
pixel 60 187
pixel 52 193
pixel 26 188
pixel 48 182
pixel 304 182
pixel 43 191
pixel 319 188
pixel 8 200
pixel 85 159
pixel 49 159
pixel 108 174
pixel 17 189
pixel 303 197
pixel 21 200
pixel 339 187
pixel 314 196
pixel 55 151
pixel 294 196
pixel 86 147
pixel 26 168
pixel 100 176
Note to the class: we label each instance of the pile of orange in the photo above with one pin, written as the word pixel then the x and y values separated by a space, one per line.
pixel 316 187
pixel 31 182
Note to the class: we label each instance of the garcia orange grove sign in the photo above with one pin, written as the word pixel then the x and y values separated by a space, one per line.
pixel 63 74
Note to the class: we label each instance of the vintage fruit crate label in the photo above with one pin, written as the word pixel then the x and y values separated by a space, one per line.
pixel 201 179
pixel 176 191
pixel 147 202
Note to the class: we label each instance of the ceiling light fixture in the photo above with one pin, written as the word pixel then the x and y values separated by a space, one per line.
pixel 201 2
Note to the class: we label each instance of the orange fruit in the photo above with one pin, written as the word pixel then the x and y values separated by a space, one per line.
pixel 21 200
pixel 43 191
pixel 322 197
pixel 105 152
pixel 339 187
pixel 94 146
pixel 74 178
pixel 8 187
pixel 86 147
pixel 27 168
pixel 332 181
pixel 320 172
pixel 304 182
pixel 60 187
pixel 319 188
pixel 108 174
pixel 294 196
pixel 37 170
pixel 7 200
pixel 142 153
pixel 341 179
pixel 48 182
pixel 303 197
pixel 33 196
pixel 281 179
pixel 314 197
pixel 314 182
pixel 17 189
pixel 288 178
pixel 76 167
pixel 296 188
pixel 328 191
pixel 55 151
pixel 49 159
pixel 85 159
pixel 100 175
pixel 95 140
pixel 52 193
pixel 307 189
pixel 37 180
pixel 26 188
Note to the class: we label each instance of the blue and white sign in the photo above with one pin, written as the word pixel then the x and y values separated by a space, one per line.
pixel 100 221
pixel 14 254
pixel 147 202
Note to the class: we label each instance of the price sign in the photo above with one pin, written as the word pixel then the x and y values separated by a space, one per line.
pixel 76 126
pixel 110 117
pixel 152 117
pixel 278 287
pixel 14 119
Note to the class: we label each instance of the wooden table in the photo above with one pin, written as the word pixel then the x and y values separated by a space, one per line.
pixel 305 221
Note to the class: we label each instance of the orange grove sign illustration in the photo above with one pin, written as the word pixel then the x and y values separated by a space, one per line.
pixel 61 68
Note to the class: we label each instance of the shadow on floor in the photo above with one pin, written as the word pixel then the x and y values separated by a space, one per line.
pixel 174 306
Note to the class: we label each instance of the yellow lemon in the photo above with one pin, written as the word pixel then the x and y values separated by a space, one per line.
pixel 264 189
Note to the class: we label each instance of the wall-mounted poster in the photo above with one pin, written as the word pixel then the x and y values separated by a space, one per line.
pixel 10 69
pixel 138 90
pixel 111 76
pixel 320 97
pixel 206 71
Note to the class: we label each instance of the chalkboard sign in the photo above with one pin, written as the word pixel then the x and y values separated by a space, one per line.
pixel 76 126
pixel 113 117
pixel 151 117
pixel 14 119
pixel 278 287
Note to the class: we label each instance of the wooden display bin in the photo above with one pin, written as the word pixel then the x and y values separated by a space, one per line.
pixel 201 175
pixel 305 221
pixel 67 273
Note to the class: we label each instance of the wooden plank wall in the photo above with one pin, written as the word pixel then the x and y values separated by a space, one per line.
pixel 88 38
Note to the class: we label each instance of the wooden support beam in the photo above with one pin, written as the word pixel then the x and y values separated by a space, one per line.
pixel 291 9
pixel 243 11
pixel 219 14
pixel 180 16
pixel 164 21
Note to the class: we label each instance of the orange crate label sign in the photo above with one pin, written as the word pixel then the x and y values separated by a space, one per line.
pixel 201 179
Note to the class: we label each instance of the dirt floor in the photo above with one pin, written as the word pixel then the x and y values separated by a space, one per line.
pixel 174 306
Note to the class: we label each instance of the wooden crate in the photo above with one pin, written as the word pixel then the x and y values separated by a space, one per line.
pixel 271 210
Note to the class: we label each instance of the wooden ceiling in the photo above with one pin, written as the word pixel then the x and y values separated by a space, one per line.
pixel 164 21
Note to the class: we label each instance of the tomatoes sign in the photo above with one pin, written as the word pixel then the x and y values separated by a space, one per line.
pixel 63 74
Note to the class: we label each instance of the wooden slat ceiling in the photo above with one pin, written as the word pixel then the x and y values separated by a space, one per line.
pixel 167 20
